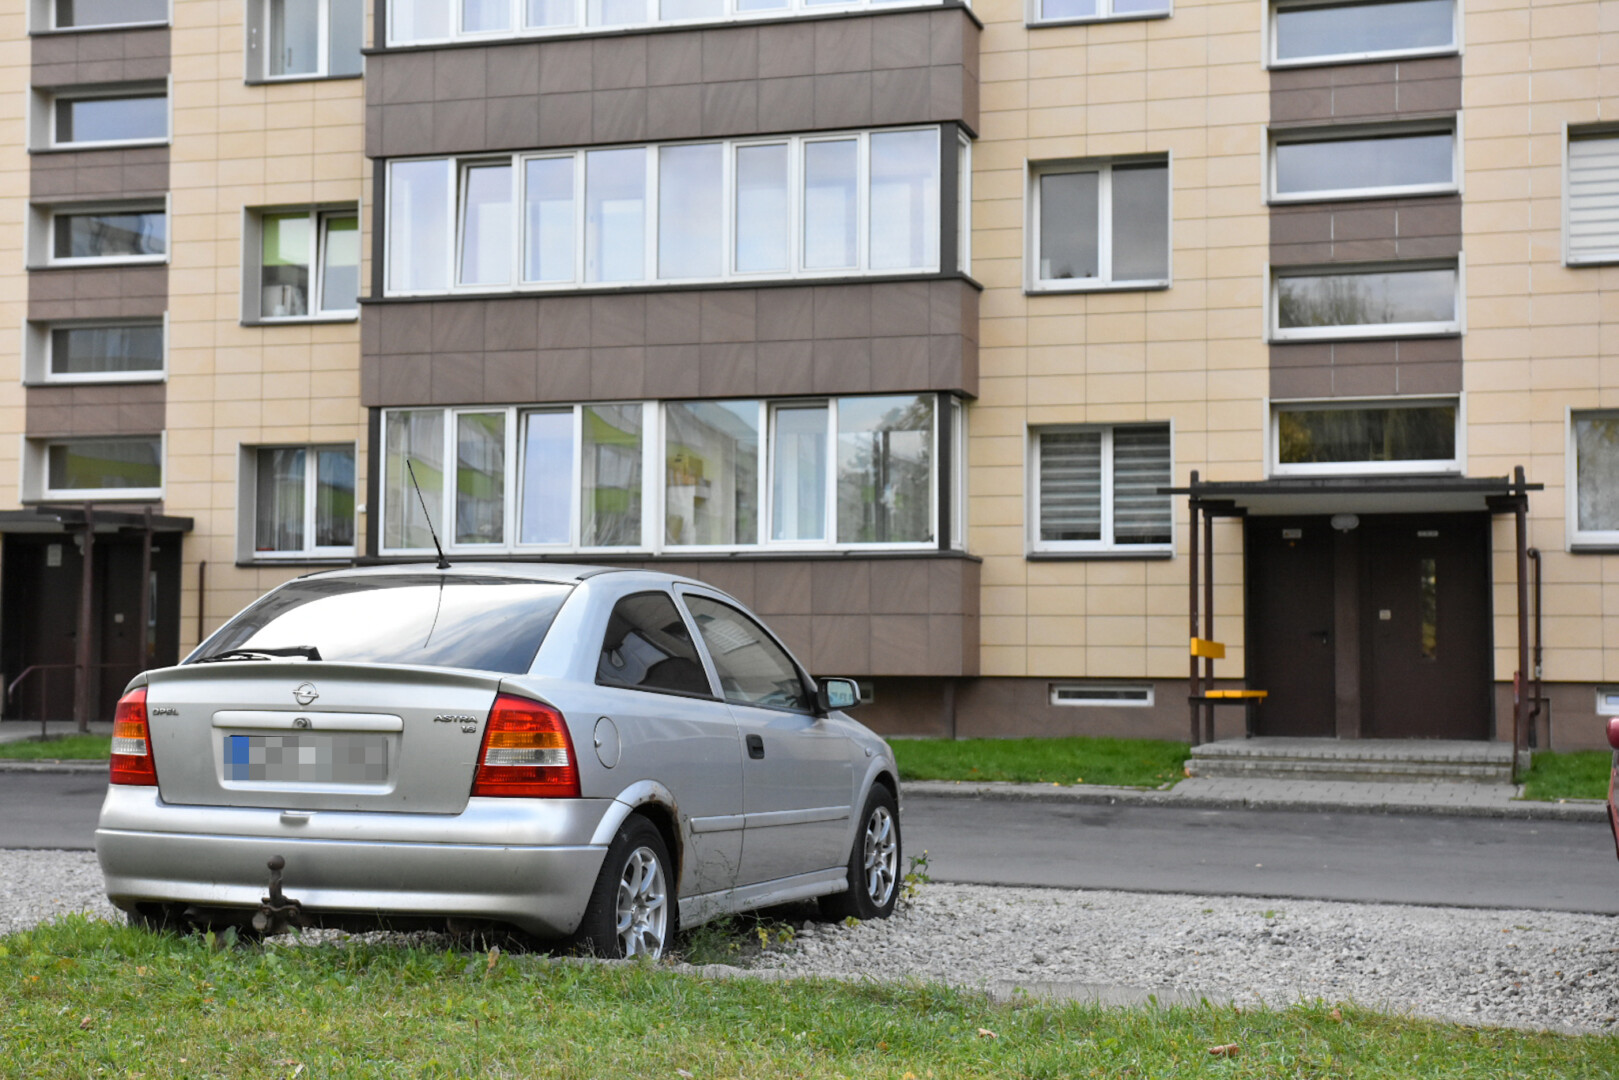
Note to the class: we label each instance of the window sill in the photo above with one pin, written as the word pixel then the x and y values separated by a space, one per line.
pixel 107 495
pixel 1362 195
pixel 1598 547
pixel 1342 335
pixel 1116 555
pixel 121 378
pixel 304 320
pixel 55 31
pixel 597 289
pixel 1362 58
pixel 1599 260
pixel 1086 20
pixel 300 79
pixel 296 561
pixel 98 264
pixel 79 148
pixel 1098 287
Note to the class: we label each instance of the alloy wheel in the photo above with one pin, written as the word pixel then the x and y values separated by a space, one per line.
pixel 881 855
pixel 643 905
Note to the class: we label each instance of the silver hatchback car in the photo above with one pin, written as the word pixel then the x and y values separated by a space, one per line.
pixel 585 754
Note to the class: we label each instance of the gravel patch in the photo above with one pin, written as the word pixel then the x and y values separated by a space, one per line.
pixel 1514 968
pixel 1531 969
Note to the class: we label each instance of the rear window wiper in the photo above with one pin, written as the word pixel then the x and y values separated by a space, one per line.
pixel 308 652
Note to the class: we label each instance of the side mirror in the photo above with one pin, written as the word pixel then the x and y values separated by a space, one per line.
pixel 837 694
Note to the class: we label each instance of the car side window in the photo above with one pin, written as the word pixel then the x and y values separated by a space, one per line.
pixel 753 669
pixel 647 647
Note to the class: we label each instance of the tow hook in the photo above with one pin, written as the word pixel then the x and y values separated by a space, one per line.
pixel 276 912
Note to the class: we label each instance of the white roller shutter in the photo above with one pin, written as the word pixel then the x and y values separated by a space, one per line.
pixel 1593 199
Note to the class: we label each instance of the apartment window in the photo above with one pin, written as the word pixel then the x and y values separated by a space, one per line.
pixel 1095 489
pixel 303 500
pixel 83 14
pixel 1376 301
pixel 305 39
pixel 108 119
pixel 1096 225
pixel 1310 33
pixel 94 351
pixel 303 264
pixel 1406 436
pixel 81 236
pixel 1069 11
pixel 110 468
pixel 414 22
pixel 1591 204
pixel 727 475
pixel 1308 166
pixel 1594 478
pixel 839 205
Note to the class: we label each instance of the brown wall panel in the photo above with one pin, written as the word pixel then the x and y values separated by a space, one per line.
pixel 100 56
pixel 1416 366
pixel 93 174
pixel 802 75
pixel 883 337
pixel 97 293
pixel 1366 92
pixel 1367 230
pixel 126 409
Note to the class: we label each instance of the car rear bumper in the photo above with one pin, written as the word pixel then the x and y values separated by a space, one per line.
pixel 526 862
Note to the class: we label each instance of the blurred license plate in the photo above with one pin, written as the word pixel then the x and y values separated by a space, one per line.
pixel 305 759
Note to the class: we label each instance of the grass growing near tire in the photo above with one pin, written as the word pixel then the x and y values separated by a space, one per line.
pixel 67 748
pixel 1577 774
pixel 82 998
pixel 1077 760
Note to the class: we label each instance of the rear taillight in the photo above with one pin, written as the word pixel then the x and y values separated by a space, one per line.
pixel 526 753
pixel 132 742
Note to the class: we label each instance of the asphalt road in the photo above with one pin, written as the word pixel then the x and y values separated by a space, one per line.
pixel 1474 862
pixel 1467 862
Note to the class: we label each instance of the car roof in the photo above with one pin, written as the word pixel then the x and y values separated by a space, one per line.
pixel 561 573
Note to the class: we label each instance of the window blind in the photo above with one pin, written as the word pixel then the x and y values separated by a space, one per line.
pixel 1141 465
pixel 1593 199
pixel 1071 485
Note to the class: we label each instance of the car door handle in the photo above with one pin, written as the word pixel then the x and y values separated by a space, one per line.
pixel 756 747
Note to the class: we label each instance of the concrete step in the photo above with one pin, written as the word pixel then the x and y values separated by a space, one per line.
pixel 1364 760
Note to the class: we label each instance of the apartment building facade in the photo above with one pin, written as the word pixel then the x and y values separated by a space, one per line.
pixel 898 321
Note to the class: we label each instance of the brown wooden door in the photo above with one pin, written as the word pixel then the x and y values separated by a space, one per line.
pixel 1425 627
pixel 1289 624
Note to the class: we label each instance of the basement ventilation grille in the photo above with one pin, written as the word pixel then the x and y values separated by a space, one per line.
pixel 1115 694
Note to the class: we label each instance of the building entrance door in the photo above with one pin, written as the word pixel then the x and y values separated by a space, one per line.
pixel 1290 608
pixel 1381 631
pixel 40 579
pixel 1425 627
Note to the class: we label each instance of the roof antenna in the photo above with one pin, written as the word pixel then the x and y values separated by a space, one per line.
pixel 443 563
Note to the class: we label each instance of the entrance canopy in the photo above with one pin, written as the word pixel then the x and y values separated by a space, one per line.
pixel 1356 494
pixel 66 519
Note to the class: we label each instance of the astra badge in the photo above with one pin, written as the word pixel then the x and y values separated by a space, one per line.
pixel 304 693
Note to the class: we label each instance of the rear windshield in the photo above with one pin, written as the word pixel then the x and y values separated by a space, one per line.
pixel 435 620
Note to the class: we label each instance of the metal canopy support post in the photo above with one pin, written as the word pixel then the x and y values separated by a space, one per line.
pixel 1192 680
pixel 83 657
pixel 1520 514
pixel 1208 620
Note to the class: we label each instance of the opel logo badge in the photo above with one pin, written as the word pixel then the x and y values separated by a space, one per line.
pixel 304 693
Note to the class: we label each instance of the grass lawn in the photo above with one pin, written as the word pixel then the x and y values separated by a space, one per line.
pixel 1578 774
pixel 68 747
pixel 80 998
pixel 1079 760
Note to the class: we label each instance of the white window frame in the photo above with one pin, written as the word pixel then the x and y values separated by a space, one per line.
pixel 964 217
pixel 1108 545
pixel 1453 466
pixel 1103 282
pixel 38 344
pixel 1274 137
pixel 1104 13
pixel 1272 37
pixel 42 20
pixel 456 201
pixel 45 217
pixel 582 25
pixel 52 99
pixel 1577 537
pixel 1573 134
pixel 36 475
pixel 654 480
pixel 323 46
pixel 253 265
pixel 247 541
pixel 1364 331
